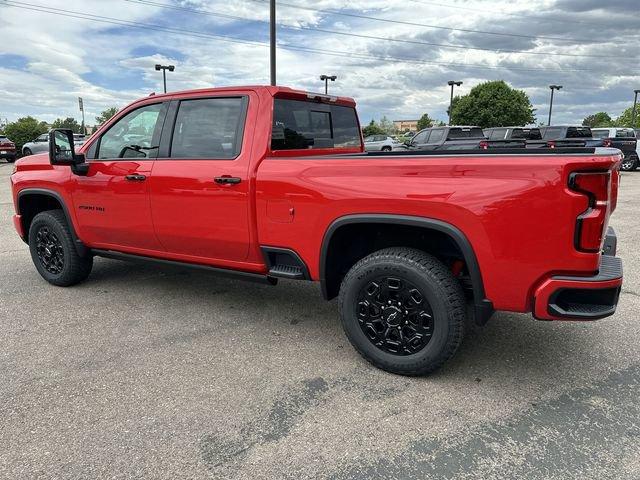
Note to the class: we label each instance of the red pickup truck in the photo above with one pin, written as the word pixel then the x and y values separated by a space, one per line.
pixel 270 182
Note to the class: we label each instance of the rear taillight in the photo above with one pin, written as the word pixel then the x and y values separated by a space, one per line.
pixel 591 223
pixel 606 142
pixel 484 145
pixel 551 144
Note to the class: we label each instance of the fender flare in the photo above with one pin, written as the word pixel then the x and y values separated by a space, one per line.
pixel 483 308
pixel 80 247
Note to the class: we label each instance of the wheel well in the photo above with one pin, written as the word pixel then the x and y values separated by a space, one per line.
pixel 31 204
pixel 351 242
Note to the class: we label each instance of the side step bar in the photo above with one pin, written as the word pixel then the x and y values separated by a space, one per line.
pixel 252 277
pixel 285 263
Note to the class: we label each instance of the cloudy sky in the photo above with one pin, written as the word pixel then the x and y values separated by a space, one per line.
pixel 393 56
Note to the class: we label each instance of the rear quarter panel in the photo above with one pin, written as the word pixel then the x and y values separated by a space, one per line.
pixel 516 211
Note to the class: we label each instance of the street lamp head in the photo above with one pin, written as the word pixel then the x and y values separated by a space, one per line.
pixel 171 68
pixel 328 77
pixel 636 92
pixel 158 66
pixel 453 82
pixel 555 87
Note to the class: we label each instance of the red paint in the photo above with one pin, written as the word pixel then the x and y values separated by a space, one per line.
pixel 517 211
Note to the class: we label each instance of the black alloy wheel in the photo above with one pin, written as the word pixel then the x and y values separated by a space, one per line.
pixel 49 250
pixel 395 315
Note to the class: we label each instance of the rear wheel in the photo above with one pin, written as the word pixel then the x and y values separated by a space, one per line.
pixel 629 163
pixel 403 311
pixel 386 148
pixel 53 251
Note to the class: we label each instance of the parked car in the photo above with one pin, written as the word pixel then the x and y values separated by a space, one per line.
pixel 37 145
pixel 623 139
pixel 7 149
pixel 41 144
pixel 508 133
pixel 457 138
pixel 380 143
pixel 238 181
pixel 564 136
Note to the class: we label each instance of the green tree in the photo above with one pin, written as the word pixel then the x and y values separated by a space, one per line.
pixel 493 104
pixel 372 129
pixel 387 126
pixel 624 120
pixel 425 122
pixel 106 115
pixel 600 119
pixel 69 123
pixel 24 130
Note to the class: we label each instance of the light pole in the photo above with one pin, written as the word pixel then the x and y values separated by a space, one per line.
pixel 272 40
pixel 633 112
pixel 552 87
pixel 451 83
pixel 164 69
pixel 325 79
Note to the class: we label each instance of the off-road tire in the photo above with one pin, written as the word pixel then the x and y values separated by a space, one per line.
pixel 74 268
pixel 437 284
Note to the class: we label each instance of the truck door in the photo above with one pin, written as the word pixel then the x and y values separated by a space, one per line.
pixel 200 184
pixel 112 200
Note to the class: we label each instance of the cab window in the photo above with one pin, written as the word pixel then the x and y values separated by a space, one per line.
pixel 209 128
pixel 135 135
pixel 298 124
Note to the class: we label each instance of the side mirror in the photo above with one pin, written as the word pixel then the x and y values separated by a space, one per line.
pixel 62 151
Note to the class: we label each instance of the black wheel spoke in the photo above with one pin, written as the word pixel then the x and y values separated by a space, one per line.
pixel 49 250
pixel 395 315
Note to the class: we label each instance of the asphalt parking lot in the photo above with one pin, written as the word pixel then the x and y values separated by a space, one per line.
pixel 147 373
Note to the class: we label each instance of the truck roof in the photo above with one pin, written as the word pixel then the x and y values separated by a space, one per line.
pixel 272 90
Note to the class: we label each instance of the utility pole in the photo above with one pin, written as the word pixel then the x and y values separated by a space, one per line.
pixel 272 40
pixel 164 69
pixel 633 112
pixel 80 104
pixel 552 87
pixel 326 79
pixel 451 83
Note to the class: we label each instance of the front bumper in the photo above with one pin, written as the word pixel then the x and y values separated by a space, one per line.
pixel 582 298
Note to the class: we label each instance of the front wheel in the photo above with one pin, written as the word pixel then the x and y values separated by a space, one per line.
pixel 629 163
pixel 53 251
pixel 403 310
pixel 26 152
pixel 386 148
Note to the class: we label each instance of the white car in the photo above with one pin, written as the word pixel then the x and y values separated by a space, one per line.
pixel 380 143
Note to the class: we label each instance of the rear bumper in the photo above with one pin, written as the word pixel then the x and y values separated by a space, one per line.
pixel 8 154
pixel 582 298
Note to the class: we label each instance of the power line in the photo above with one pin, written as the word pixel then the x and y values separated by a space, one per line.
pixel 415 24
pixel 371 37
pixel 197 34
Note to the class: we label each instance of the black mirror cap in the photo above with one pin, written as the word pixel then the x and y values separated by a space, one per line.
pixel 73 159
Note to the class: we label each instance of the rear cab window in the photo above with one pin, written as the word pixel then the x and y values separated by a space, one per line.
pixel 600 133
pixel 625 133
pixel 579 132
pixel 303 125
pixel 457 133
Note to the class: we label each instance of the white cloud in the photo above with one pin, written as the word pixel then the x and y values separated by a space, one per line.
pixel 112 65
